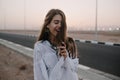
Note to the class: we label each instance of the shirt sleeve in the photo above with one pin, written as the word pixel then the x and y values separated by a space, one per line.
pixel 71 63
pixel 40 72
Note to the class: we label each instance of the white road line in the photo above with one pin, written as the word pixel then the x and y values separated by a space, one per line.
pixel 109 43
pixel 94 42
pixel 82 40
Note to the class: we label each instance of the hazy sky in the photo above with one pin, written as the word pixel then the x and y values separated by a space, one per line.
pixel 80 13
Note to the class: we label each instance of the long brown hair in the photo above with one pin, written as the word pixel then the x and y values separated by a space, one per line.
pixel 61 36
pixel 71 47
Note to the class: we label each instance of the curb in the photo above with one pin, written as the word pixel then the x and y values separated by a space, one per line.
pixel 17 47
pixel 98 42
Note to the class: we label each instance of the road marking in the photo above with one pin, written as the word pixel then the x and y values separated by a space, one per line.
pixel 82 40
pixel 94 42
pixel 109 43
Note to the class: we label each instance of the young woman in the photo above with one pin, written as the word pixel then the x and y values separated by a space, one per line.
pixel 51 56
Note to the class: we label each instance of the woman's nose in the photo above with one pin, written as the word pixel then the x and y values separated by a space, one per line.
pixel 59 25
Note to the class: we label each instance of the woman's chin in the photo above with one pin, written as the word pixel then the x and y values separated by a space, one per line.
pixel 54 35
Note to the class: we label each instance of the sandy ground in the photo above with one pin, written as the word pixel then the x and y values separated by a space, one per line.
pixel 101 37
pixel 14 66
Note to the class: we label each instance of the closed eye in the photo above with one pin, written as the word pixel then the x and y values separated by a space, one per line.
pixel 57 21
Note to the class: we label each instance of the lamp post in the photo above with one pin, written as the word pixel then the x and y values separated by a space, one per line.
pixel 4 19
pixel 25 17
pixel 96 25
pixel 4 15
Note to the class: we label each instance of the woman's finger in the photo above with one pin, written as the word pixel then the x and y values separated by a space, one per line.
pixel 63 44
pixel 63 51
pixel 61 47
pixel 64 55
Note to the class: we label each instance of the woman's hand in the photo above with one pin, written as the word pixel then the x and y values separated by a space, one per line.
pixel 63 50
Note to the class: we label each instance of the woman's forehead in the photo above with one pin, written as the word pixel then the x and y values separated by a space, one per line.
pixel 57 17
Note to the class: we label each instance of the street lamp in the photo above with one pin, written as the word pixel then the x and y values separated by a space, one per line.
pixel 25 17
pixel 96 31
pixel 4 19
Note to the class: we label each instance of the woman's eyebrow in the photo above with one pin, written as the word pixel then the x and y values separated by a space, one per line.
pixel 56 20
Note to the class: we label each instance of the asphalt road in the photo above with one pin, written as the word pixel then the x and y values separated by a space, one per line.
pixel 98 56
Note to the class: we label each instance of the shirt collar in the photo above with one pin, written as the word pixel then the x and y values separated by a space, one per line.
pixel 46 42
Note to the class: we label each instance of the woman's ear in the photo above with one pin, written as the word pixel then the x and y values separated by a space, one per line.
pixel 47 26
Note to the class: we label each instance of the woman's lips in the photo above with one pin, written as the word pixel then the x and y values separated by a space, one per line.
pixel 57 30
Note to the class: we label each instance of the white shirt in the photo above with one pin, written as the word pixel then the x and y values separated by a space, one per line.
pixel 49 66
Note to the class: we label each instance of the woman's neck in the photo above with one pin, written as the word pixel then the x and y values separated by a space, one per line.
pixel 52 40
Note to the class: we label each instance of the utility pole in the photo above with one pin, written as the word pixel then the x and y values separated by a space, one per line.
pixel 96 25
pixel 25 17
pixel 4 17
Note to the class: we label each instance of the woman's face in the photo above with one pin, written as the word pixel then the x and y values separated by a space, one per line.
pixel 55 25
